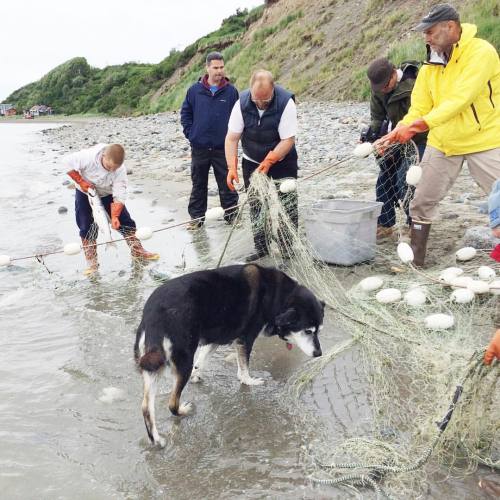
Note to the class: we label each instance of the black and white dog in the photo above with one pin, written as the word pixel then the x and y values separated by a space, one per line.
pixel 214 307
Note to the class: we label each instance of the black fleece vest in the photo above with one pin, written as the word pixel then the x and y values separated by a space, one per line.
pixel 260 134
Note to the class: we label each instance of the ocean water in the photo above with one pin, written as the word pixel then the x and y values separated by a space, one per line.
pixel 70 395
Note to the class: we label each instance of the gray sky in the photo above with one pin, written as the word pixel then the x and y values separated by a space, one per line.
pixel 37 35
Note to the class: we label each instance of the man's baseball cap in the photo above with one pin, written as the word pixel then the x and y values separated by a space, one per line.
pixel 379 73
pixel 438 13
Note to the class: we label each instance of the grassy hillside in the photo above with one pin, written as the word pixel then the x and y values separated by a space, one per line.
pixel 318 49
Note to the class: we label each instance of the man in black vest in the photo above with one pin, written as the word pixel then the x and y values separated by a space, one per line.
pixel 204 116
pixel 265 118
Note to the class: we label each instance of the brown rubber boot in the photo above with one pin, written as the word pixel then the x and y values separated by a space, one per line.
pixel 137 251
pixel 419 234
pixel 90 251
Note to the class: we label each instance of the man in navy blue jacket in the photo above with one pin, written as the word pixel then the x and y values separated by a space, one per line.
pixel 204 117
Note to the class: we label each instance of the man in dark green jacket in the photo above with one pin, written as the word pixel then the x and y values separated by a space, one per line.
pixel 390 101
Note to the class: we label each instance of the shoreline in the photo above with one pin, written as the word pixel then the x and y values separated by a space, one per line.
pixel 158 156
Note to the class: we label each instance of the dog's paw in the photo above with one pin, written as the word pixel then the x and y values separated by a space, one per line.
pixel 185 409
pixel 160 442
pixel 251 381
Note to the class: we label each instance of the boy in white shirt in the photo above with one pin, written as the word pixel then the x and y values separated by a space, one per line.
pixel 101 167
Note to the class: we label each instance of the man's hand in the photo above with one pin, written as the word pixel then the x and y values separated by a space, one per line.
pixel 493 349
pixel 84 185
pixel 116 210
pixel 232 175
pixel 268 162
pixel 402 134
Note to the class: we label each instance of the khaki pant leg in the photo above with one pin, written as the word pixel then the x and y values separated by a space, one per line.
pixel 485 167
pixel 439 172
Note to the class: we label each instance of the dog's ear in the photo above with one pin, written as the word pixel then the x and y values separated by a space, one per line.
pixel 286 318
pixel 322 302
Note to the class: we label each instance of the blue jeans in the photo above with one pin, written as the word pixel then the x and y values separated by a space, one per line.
pixel 85 219
pixel 391 188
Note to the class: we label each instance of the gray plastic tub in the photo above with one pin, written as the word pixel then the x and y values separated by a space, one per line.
pixel 343 231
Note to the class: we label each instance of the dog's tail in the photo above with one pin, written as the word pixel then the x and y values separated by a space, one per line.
pixel 153 360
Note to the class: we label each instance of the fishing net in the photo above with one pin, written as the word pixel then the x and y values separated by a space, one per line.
pixel 397 403
pixel 401 402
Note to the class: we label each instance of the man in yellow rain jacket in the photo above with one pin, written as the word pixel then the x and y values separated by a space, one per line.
pixel 457 98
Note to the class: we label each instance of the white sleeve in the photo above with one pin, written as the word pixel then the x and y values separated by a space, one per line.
pixel 120 183
pixel 288 123
pixel 77 161
pixel 83 159
pixel 236 123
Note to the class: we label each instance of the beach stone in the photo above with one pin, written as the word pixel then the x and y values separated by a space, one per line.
pixel 65 182
pixel 62 210
pixel 479 237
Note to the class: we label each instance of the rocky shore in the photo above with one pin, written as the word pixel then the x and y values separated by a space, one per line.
pixel 328 132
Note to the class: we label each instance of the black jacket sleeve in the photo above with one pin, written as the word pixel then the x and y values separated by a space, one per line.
pixel 187 114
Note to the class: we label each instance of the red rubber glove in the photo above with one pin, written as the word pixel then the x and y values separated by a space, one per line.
pixel 493 349
pixel 85 185
pixel 268 162
pixel 495 253
pixel 116 210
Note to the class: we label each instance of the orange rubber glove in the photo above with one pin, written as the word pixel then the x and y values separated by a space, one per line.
pixel 268 162
pixel 493 349
pixel 232 175
pixel 403 133
pixel 85 185
pixel 116 210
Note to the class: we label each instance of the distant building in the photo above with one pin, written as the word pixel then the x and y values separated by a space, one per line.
pixel 5 109
pixel 40 109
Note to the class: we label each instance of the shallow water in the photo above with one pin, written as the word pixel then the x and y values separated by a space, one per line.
pixel 70 418
pixel 65 340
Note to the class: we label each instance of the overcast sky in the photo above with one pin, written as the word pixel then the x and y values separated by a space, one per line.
pixel 37 35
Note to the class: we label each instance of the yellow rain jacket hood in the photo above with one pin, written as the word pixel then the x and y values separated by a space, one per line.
pixel 460 102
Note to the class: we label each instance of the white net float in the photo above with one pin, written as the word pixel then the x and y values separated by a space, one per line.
pixel 371 283
pixel 462 296
pixel 363 150
pixel 439 321
pixel 415 297
pixel 288 186
pixel 495 287
pixel 4 260
pixel 144 233
pixel 466 253
pixel 461 281
pixel 405 253
pixel 478 286
pixel 413 175
pixel 388 295
pixel 214 213
pixel 486 273
pixel 72 248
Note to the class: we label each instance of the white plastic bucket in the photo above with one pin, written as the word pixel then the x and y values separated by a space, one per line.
pixel 343 231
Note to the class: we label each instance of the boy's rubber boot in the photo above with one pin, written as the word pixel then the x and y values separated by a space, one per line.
pixel 419 234
pixel 137 251
pixel 90 251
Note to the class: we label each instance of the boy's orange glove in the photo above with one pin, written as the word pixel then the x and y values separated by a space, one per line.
pixel 493 349
pixel 403 133
pixel 232 175
pixel 85 185
pixel 268 162
pixel 116 210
